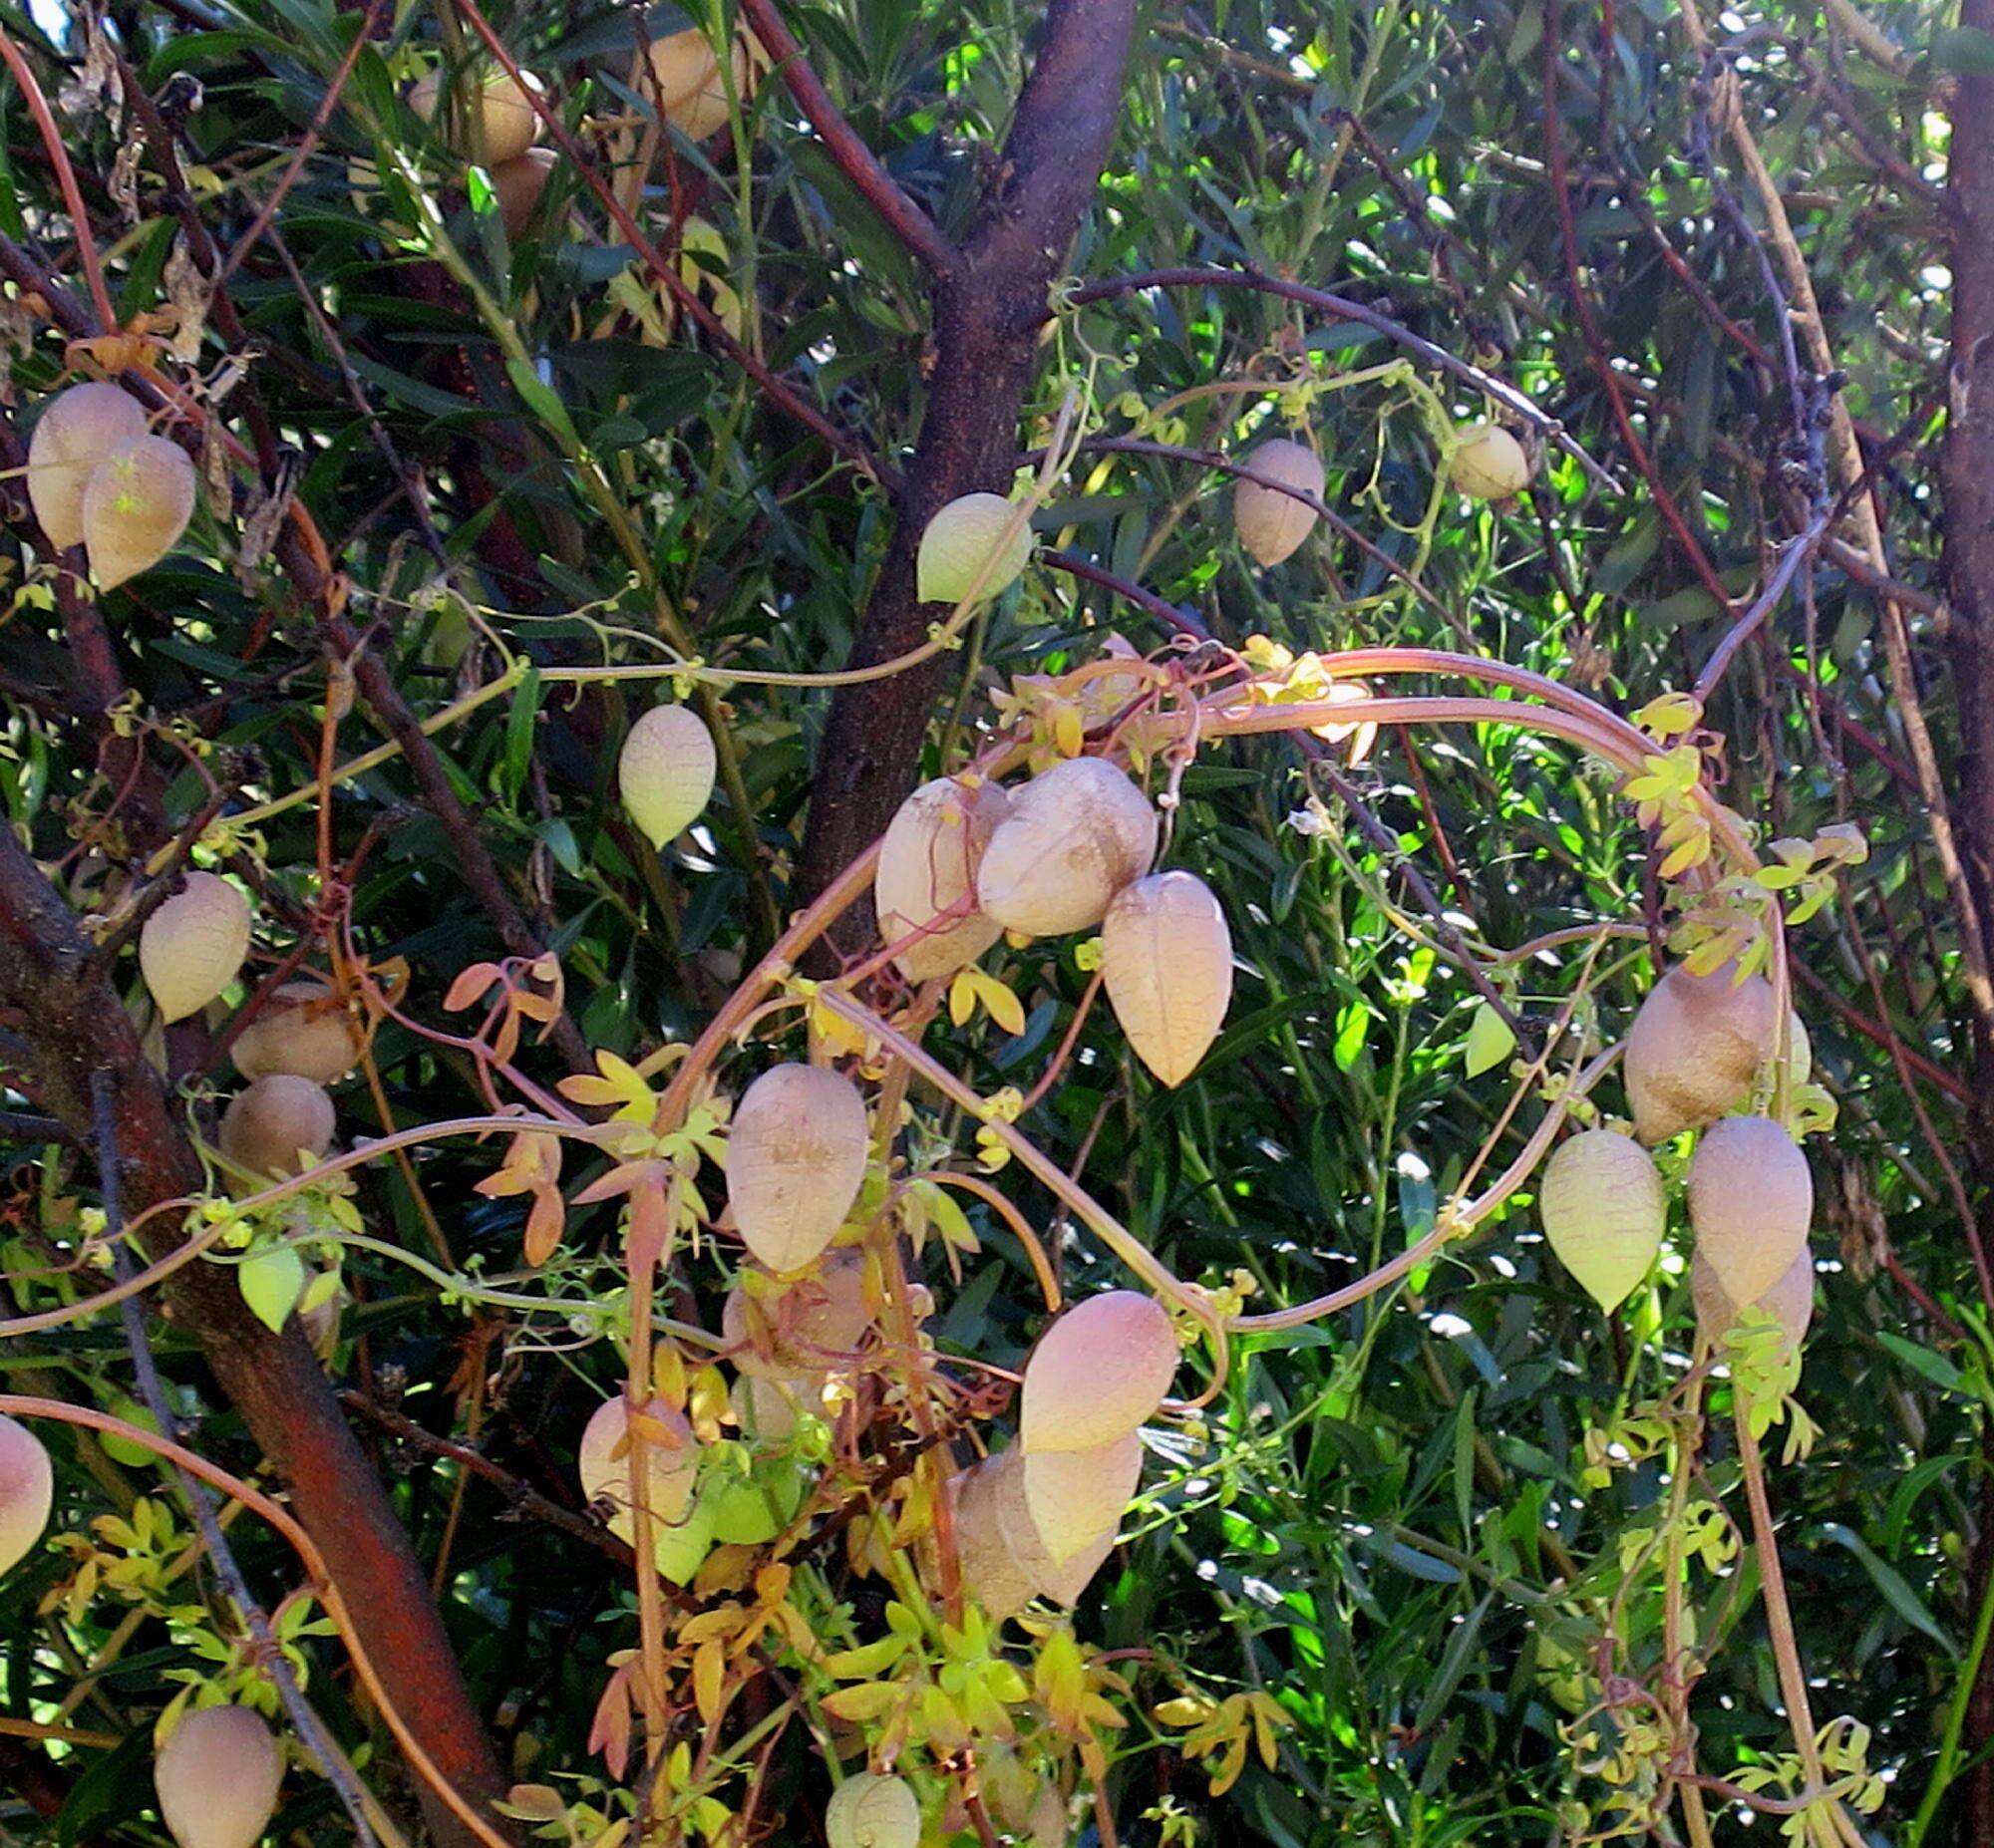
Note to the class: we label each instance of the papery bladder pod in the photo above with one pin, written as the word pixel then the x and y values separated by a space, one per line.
pixel 192 945
pixel 928 861
pixel 1270 524
pixel 1166 962
pixel 686 82
pixel 1098 1372
pixel 666 772
pixel 507 122
pixel 796 1157
pixel 1489 464
pixel 681 1523
pixel 217 1777
pixel 79 428
pixel 275 1127
pixel 1790 1303
pixel 1696 1049
pixel 1004 1558
pixel 963 549
pixel 136 503
pixel 872 1811
pixel 1076 835
pixel 1604 1211
pixel 1751 1199
pixel 801 1329
pixel 27 1491
pixel 1076 1498
pixel 303 1030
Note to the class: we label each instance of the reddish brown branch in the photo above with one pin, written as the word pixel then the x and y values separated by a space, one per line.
pixel 77 1030
pixel 857 162
pixel 987 314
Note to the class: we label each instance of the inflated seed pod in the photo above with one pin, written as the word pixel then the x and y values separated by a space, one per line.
pixel 1789 1302
pixel 1076 1497
pixel 1077 834
pixel 269 1124
pixel 991 1576
pixel 1603 1212
pixel 80 428
pixel 1050 1825
pixel 671 1462
pixel 1489 464
pixel 666 772
pixel 1062 1581
pixel 217 1777
pixel 1695 1050
pixel 805 1330
pixel 520 183
pixel 767 1407
pixel 1097 1372
pixel 302 1028
pixel 506 116
pixel 1751 1199
pixel 27 1491
pixel 927 863
pixel 869 1811
pixel 795 1155
pixel 1271 524
pixel 136 503
pixel 963 549
pixel 1166 962
pixel 192 945
pixel 701 109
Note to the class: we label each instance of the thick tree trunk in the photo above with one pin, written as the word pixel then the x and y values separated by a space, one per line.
pixel 1967 480
pixel 987 316
pixel 73 1027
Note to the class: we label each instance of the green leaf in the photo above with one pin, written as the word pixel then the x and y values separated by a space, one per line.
pixel 1489 1040
pixel 1923 1362
pixel 272 1283
pixel 1966 49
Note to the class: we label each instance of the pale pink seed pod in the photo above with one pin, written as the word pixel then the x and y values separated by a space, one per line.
pixel 869 1811
pixel 963 549
pixel 507 115
pixel 990 1574
pixel 79 429
pixel 682 64
pixel 666 772
pixel 519 184
pixel 1603 1211
pixel 767 1407
pixel 191 947
pixel 26 1493
pixel 1789 1302
pixel 1076 1497
pixel 702 109
pixel 1051 1825
pixel 1062 1581
pixel 796 1157
pixel 1696 1046
pixel 1077 834
pixel 1272 524
pixel 1098 1372
pixel 136 503
pixel 217 1777
pixel 1166 961
pixel 605 1463
pixel 1751 1199
pixel 807 1330
pixel 303 1030
pixel 268 1123
pixel 1489 464
pixel 928 862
